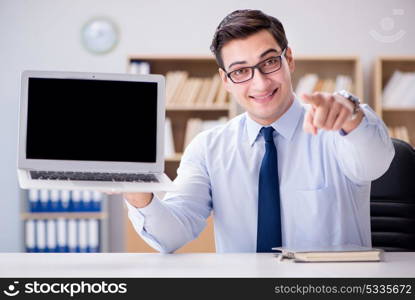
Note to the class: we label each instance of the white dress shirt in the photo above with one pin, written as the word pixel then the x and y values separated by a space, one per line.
pixel 324 185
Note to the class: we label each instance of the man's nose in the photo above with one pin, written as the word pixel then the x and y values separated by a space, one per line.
pixel 260 81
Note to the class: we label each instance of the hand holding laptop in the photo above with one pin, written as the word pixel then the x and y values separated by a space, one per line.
pixel 138 200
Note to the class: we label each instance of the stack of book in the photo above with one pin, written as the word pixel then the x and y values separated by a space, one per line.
pixel 196 125
pixel 399 91
pixel 62 235
pixel 185 91
pixel 169 149
pixel 310 83
pixel 399 132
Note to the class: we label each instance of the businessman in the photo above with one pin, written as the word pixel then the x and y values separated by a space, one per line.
pixel 281 174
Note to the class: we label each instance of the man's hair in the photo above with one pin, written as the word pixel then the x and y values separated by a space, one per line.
pixel 243 23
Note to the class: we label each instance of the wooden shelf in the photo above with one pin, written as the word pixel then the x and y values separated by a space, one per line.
pixel 329 67
pixel 197 108
pixel 385 66
pixel 66 215
pixel 398 109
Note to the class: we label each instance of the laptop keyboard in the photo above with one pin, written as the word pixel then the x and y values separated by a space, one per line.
pixel 89 176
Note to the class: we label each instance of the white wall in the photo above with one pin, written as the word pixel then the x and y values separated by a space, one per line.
pixel 45 35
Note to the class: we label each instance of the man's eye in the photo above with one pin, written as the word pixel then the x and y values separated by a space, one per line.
pixel 241 71
pixel 271 61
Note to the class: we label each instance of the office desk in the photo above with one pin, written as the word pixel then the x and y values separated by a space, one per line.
pixel 398 264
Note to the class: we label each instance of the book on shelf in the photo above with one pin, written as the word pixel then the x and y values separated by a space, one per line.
pixel 204 92
pixel 343 82
pixel 213 91
pixel 194 89
pixel 62 235
pixel 399 91
pixel 340 253
pixel 311 82
pixel 399 132
pixel 185 91
pixel 169 150
pixel 196 125
pixel 175 80
pixel 221 98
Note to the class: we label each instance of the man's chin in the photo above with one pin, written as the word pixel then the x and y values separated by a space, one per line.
pixel 262 118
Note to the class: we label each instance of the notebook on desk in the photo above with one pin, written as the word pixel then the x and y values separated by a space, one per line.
pixel 340 253
pixel 92 131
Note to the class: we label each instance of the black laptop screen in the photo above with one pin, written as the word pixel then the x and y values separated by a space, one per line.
pixel 91 120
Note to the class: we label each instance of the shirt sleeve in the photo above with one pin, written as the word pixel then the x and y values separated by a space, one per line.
pixel 168 224
pixel 365 153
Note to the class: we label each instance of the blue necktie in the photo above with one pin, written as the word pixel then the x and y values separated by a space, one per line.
pixel 269 215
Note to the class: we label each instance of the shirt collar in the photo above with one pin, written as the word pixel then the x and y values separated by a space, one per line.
pixel 285 126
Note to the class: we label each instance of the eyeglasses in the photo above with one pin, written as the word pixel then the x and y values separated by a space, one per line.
pixel 270 65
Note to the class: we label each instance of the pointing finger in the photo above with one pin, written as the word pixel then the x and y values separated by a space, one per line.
pixel 313 99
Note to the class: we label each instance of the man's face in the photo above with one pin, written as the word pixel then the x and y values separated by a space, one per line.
pixel 266 97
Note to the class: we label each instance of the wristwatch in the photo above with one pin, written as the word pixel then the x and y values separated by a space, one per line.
pixel 352 98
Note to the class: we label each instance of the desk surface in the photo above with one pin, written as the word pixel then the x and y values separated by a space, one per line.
pixel 398 264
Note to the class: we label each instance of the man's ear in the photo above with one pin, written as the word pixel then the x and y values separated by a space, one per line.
pixel 290 59
pixel 225 80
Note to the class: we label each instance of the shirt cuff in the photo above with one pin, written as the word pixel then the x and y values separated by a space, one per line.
pixel 137 217
pixel 369 118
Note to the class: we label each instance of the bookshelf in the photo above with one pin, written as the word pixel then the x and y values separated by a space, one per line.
pixel 393 117
pixel 75 215
pixel 205 66
pixel 328 67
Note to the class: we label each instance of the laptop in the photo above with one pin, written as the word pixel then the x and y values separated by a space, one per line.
pixel 92 131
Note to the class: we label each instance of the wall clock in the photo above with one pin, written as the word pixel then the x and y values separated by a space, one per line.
pixel 99 35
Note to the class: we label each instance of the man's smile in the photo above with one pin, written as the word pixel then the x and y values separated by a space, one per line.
pixel 264 98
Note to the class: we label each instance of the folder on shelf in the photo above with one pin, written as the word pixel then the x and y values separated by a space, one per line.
pixel 55 200
pixel 30 237
pixel 86 203
pixel 83 235
pixel 62 240
pixel 73 245
pixel 51 245
pixel 40 235
pixel 96 201
pixel 34 200
pixel 93 235
pixel 139 67
pixel 76 200
pixel 44 200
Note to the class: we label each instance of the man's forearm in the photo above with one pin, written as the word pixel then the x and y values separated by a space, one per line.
pixel 366 152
